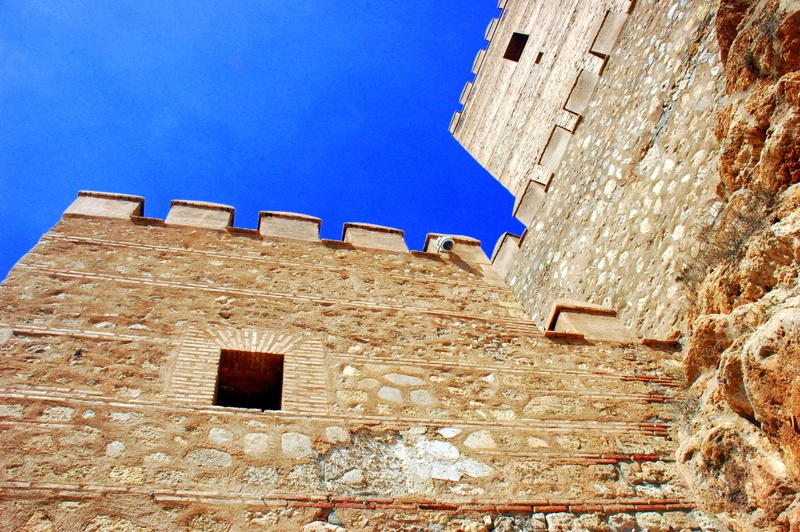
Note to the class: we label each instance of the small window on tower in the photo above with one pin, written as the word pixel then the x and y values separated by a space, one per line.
pixel 250 380
pixel 515 46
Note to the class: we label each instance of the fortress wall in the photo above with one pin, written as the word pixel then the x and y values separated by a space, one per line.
pixel 415 390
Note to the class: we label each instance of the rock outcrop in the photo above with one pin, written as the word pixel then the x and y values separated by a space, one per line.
pixel 740 445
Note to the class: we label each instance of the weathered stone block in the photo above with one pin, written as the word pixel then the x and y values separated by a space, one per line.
pixel 106 205
pixel 505 252
pixel 609 33
pixel 200 214
pixel 582 91
pixel 288 225
pixel 555 149
pixel 529 202
pixel 374 236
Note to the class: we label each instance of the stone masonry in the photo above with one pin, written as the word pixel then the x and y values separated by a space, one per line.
pixel 415 395
pixel 636 184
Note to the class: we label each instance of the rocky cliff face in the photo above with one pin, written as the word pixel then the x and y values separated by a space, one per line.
pixel 740 446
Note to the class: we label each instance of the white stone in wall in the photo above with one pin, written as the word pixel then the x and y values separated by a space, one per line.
pixel 652 522
pixel 257 443
pixel 369 384
pixel 336 434
pixel 115 449
pixel 353 477
pixel 217 435
pixel 421 397
pixel 388 393
pixel 622 522
pixel 565 522
pixel 536 442
pixel 481 439
pixel 449 432
pixel 403 380
pixel 210 458
pixel 439 450
pixel 296 446
pixel 445 472
pixel 473 468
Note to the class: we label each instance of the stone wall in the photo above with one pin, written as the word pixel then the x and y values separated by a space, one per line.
pixel 416 396
pixel 637 183
pixel 676 203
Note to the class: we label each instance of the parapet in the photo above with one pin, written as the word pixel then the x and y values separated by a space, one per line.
pixel 547 67
pixel 200 214
pixel 288 225
pixel 374 236
pixel 571 318
pixel 106 205
pixel 271 224
pixel 505 253
pixel 466 248
pixel 529 201
pixel 608 34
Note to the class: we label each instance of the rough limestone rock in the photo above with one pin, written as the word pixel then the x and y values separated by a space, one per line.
pixel 564 522
pixel 652 522
pixel 731 381
pixel 39 522
pixel 622 523
pixel 739 446
pixel 594 523
pixel 772 377
pixel 321 526
pixel 711 337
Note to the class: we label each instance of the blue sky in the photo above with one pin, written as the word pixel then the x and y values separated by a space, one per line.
pixel 337 109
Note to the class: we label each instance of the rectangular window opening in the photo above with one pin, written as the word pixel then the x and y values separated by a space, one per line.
pixel 539 57
pixel 250 380
pixel 515 47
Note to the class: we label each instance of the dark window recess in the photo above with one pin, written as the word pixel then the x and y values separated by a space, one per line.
pixel 250 380
pixel 515 46
pixel 539 57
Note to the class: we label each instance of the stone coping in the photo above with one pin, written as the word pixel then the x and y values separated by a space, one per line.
pixel 203 205
pixel 109 195
pixel 371 227
pixel 500 241
pixel 573 305
pixel 289 216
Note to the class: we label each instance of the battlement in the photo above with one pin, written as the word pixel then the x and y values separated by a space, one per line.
pixel 533 85
pixel 271 224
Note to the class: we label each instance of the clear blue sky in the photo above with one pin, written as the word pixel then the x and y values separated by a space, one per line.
pixel 337 109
